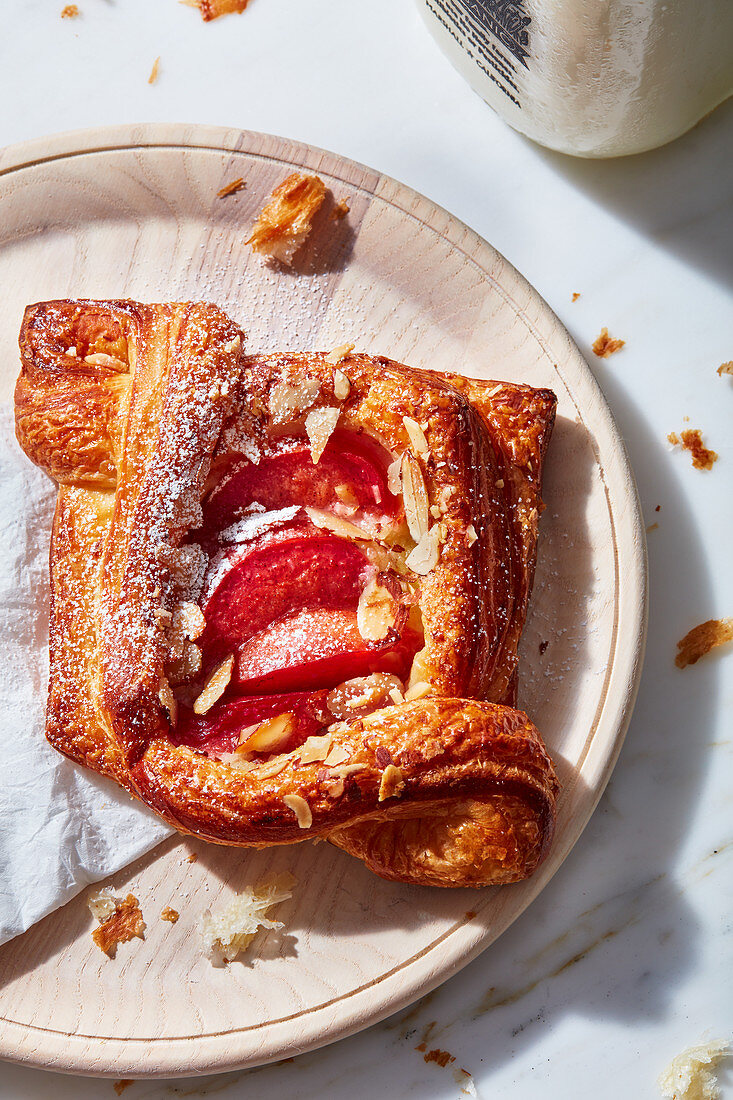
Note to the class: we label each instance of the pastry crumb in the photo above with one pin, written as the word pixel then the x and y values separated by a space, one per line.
pixel 701 639
pixel 229 932
pixel 441 1058
pixel 340 210
pixel 652 527
pixel 125 923
pixel 192 858
pixel 71 11
pixel 576 295
pixel 171 915
pixel 543 647
pixel 154 71
pixel 690 1075
pixel 691 440
pixel 605 345
pixel 287 219
pixel 231 188
pixel 725 368
pixel 212 9
pixel 120 1086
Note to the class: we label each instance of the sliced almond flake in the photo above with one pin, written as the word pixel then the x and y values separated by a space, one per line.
pixel 101 359
pixel 337 354
pixel 334 523
pixel 436 511
pixel 101 904
pixel 445 494
pixel 424 557
pixel 273 768
pixel 236 762
pixel 337 755
pixel 394 477
pixel 270 735
pixel 396 696
pixel 375 613
pixel 494 390
pixel 471 535
pixel 71 352
pixel 319 425
pixel 344 770
pixel 417 691
pixel 300 808
pixel 335 788
pixel 416 435
pixel 215 686
pixel 315 748
pixel 392 783
pixel 168 700
pixel 233 345
pixel 341 384
pixel 415 496
pixel 288 399
pixel 347 496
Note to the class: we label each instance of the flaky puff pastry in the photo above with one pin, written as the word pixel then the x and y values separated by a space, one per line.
pixel 287 590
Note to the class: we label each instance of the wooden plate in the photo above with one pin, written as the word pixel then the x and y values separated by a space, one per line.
pixel 134 211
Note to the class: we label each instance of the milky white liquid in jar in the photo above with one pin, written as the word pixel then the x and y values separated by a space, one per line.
pixel 595 78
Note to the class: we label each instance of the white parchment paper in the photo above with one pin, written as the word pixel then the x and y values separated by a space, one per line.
pixel 61 827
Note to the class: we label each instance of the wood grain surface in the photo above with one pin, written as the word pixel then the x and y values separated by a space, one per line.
pixel 134 212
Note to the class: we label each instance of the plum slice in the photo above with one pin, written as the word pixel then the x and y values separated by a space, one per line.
pixel 290 476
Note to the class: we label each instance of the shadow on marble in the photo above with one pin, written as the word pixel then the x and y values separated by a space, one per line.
pixel 679 196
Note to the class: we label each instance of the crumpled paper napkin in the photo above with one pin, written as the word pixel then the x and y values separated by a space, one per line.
pixel 61 827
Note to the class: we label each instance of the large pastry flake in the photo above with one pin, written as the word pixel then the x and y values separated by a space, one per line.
pixel 288 589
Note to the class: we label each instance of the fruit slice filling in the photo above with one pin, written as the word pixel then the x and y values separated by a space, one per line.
pixel 282 607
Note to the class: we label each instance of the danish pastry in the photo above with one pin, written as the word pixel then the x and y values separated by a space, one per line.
pixel 287 590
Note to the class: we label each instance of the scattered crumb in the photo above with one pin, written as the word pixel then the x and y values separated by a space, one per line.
pixel 689 1076
pixel 212 9
pixel 170 915
pixel 231 931
pixel 154 71
pixel 605 345
pixel 340 210
pixel 543 647
pixel 120 1086
pixel 658 508
pixel 125 923
pixel 652 527
pixel 576 295
pixel 440 1057
pixel 691 440
pixel 71 11
pixel 287 219
pixel 470 914
pixel 231 188
pixel 192 858
pixel 725 368
pixel 701 639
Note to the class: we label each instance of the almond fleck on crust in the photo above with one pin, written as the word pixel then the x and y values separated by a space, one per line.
pixel 605 345
pixel 691 440
pixel 701 639
pixel 287 219
pixel 125 924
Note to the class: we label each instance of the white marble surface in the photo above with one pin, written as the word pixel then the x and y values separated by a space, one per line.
pixel 625 957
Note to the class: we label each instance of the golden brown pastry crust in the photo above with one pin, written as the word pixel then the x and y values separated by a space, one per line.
pixel 133 410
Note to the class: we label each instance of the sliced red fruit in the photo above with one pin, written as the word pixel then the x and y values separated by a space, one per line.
pixel 218 731
pixel 291 477
pixel 305 570
pixel 318 648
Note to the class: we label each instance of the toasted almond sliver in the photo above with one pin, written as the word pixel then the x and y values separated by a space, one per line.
pixel 424 557
pixel 375 613
pixel 415 496
pixel 270 735
pixel 215 686
pixel 273 767
pixel 319 424
pixel 471 535
pixel 288 399
pixel 315 748
pixel 347 496
pixel 396 696
pixel 417 691
pixel 337 354
pixel 394 477
pixel 168 700
pixel 101 359
pixel 392 784
pixel 341 772
pixel 300 808
pixel 337 755
pixel 336 524
pixel 341 384
pixel 416 435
